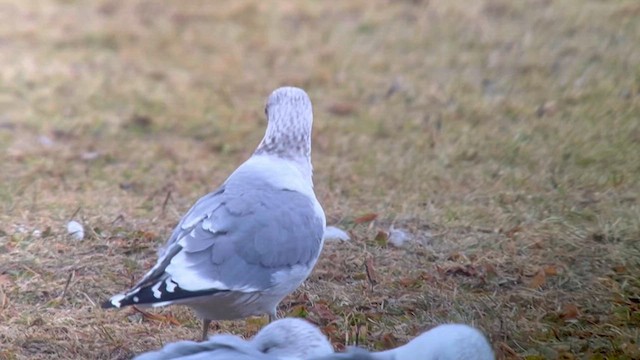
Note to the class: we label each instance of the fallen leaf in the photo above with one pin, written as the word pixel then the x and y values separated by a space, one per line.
pixel 550 270
pixel 341 109
pixel 569 311
pixel 619 269
pixel 371 272
pixel 389 341
pixel 457 256
pixel 490 270
pixel 538 279
pixel 409 282
pixel 323 312
pixel 365 218
pixel 511 233
pixel 464 270
pixel 332 332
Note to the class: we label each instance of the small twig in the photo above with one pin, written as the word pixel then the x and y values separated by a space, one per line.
pixel 31 270
pixel 107 333
pixel 166 201
pixel 118 218
pixel 75 213
pixel 66 286
pixel 88 298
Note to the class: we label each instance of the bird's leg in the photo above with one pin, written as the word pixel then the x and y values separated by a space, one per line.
pixel 273 315
pixel 205 328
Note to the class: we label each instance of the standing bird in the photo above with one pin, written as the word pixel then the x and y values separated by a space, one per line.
pixel 242 248
pixel 282 339
pixel 444 342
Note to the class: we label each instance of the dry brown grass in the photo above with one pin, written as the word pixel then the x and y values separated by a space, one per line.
pixel 503 135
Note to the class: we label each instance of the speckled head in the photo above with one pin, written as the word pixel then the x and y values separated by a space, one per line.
pixel 290 118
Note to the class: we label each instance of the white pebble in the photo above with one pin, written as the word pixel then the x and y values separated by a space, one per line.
pixel 332 233
pixel 76 230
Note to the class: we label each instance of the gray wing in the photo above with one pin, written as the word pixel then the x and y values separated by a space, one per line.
pixel 233 239
pixel 243 236
pixel 218 347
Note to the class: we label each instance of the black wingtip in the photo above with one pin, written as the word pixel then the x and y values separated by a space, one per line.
pixel 148 295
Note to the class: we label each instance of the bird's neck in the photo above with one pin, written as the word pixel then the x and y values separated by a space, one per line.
pixel 293 146
pixel 286 173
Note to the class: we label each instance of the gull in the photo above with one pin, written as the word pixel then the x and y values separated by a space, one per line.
pixel 444 342
pixel 245 246
pixel 282 339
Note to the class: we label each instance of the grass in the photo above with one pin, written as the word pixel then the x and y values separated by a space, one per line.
pixel 503 136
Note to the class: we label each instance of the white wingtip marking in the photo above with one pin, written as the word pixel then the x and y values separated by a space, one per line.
pixel 115 300
pixel 156 290
pixel 171 286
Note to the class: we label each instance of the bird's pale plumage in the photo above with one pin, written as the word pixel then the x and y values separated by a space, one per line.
pixel 282 339
pixel 444 342
pixel 242 248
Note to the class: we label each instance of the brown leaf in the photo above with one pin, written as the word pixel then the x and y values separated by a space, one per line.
pixel 371 272
pixel 323 312
pixel 457 256
pixel 408 282
pixel 341 109
pixel 538 279
pixel 619 269
pixel 332 332
pixel 464 270
pixel 389 341
pixel 365 218
pixel 511 233
pixel 550 270
pixel 490 270
pixel 569 311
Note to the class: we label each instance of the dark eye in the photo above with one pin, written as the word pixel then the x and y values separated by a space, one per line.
pixel 266 111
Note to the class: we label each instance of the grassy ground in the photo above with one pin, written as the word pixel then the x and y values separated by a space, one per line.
pixel 503 135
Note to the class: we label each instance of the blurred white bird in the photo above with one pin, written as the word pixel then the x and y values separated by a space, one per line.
pixel 242 248
pixel 444 342
pixel 282 339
